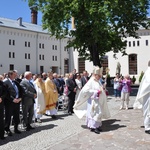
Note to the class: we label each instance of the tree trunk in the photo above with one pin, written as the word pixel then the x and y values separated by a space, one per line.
pixel 95 55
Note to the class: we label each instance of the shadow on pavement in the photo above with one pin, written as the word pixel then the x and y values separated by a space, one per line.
pixel 107 125
pixel 24 134
pixel 58 117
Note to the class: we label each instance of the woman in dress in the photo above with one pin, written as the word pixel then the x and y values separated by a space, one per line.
pixel 125 91
pixel 79 85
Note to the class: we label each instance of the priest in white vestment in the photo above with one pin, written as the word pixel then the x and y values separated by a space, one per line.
pixel 143 99
pixel 92 102
pixel 39 106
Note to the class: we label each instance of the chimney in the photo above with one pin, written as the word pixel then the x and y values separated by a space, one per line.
pixel 34 14
pixel 19 21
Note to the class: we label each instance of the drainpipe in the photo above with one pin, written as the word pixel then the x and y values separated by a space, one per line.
pixel 37 35
pixel 60 56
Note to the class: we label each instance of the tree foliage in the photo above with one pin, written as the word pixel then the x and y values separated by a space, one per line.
pixel 100 25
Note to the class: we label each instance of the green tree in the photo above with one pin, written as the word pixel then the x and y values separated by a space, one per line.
pixel 100 25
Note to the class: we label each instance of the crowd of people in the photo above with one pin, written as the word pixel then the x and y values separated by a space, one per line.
pixel 37 95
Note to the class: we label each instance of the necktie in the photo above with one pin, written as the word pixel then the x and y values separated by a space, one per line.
pixel 16 89
pixel 31 83
pixel 85 79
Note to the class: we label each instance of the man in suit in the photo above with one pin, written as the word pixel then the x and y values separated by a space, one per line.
pixel 72 87
pixel 29 94
pixel 2 96
pixel 85 78
pixel 12 103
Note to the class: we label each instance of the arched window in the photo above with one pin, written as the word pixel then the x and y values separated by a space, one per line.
pixel 81 64
pixel 133 64
pixel 104 64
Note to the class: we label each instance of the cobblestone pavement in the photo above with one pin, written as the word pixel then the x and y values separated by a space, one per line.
pixel 123 131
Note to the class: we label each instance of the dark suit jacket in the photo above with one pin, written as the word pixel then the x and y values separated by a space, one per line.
pixel 28 92
pixel 3 93
pixel 11 93
pixel 83 81
pixel 71 85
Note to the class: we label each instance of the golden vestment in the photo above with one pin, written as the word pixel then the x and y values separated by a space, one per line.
pixel 51 94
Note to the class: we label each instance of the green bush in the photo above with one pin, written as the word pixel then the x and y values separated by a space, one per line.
pixel 133 79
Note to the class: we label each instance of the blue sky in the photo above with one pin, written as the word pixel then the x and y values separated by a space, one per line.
pixel 13 9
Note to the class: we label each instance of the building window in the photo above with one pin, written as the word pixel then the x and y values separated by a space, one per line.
pixel 52 47
pixel 25 55
pixel 28 56
pixel 25 44
pixel 55 58
pixel 27 67
pixel 133 43
pixel 43 57
pixel 66 65
pixel 43 46
pixel 28 44
pixel 41 69
pixel 13 55
pixel 132 64
pixel 9 42
pixel 146 42
pixel 66 61
pixel 129 43
pixel 39 45
pixel 104 64
pixel 39 57
pixel 138 43
pixel 55 47
pixel 11 67
pixel 9 54
pixel 13 42
pixel 81 64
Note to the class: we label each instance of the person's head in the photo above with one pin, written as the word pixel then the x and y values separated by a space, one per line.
pixel 50 75
pixel 5 75
pixel 62 76
pixel 67 75
pixel 44 75
pixel 78 76
pixel 55 75
pixel 85 73
pixel 16 73
pixel 1 78
pixel 71 75
pixel 28 75
pixel 11 75
pixel 81 74
pixel 74 71
pixel 34 77
pixel 117 75
pixel 97 73
pixel 127 76
pixel 39 77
